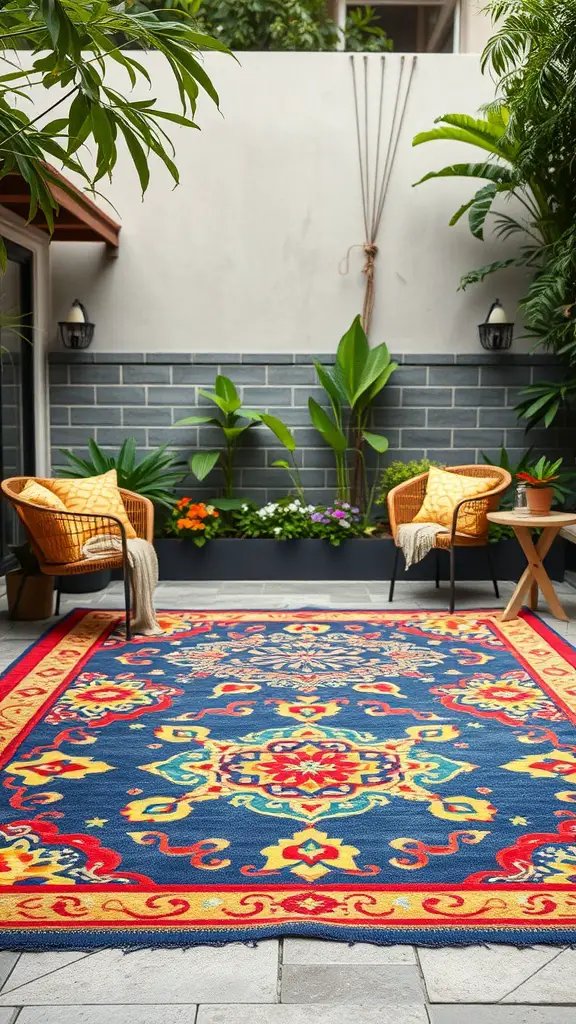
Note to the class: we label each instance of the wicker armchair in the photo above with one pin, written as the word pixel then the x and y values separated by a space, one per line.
pixel 405 500
pixel 47 528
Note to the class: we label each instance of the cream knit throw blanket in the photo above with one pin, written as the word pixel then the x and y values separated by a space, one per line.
pixel 143 575
pixel 417 539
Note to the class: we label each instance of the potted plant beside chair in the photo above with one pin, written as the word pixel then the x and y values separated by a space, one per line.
pixel 544 483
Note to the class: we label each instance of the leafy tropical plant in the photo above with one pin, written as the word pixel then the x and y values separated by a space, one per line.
pixel 69 46
pixel 154 477
pixel 546 473
pixel 530 134
pixel 283 24
pixel 360 373
pixel 234 420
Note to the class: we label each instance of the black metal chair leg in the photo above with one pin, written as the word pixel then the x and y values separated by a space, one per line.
pixel 58 594
pixel 126 569
pixel 437 568
pixel 452 553
pixel 492 573
pixel 394 570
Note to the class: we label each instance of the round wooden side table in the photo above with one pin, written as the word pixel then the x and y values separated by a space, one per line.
pixel 534 575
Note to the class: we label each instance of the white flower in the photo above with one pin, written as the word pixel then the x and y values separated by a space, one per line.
pixel 311 508
pixel 209 509
pixel 344 522
pixel 244 508
pixel 277 529
pixel 292 507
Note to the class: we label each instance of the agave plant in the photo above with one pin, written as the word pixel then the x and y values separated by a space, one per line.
pixel 530 134
pixel 155 476
pixel 234 420
pixel 359 374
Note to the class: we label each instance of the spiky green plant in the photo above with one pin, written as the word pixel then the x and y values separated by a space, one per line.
pixel 155 476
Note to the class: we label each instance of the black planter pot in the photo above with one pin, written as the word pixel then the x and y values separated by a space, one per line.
pixel 356 559
pixel 86 582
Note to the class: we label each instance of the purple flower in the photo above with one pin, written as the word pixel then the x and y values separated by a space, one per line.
pixel 317 517
pixel 346 505
pixel 338 514
pixel 324 520
pixel 354 511
pixel 329 511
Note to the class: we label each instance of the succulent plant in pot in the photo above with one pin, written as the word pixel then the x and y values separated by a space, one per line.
pixel 545 482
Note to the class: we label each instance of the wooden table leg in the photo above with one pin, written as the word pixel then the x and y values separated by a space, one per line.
pixel 533 599
pixel 535 574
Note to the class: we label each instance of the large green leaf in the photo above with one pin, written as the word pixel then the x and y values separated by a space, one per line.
pixel 480 209
pixel 474 276
pixel 474 138
pixel 192 421
pixel 280 430
pixel 226 390
pixel 376 441
pixel 489 171
pixel 326 427
pixel 203 463
pixel 233 433
pixel 332 390
pixel 379 383
pixel 351 357
pixel 377 362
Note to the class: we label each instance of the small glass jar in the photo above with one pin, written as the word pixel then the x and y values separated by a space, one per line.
pixel 521 501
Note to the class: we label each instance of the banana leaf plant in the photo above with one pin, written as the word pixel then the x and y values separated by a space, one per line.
pixel 359 375
pixel 234 421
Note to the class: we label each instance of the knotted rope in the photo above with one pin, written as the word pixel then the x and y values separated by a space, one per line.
pixel 374 198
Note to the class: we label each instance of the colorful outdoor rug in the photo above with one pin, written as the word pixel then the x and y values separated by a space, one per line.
pixel 376 776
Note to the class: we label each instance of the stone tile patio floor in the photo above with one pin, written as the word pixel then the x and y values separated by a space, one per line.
pixel 291 981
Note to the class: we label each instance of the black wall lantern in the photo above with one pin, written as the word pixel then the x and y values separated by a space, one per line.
pixel 76 331
pixel 496 332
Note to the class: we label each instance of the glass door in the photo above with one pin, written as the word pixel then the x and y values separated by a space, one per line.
pixel 16 385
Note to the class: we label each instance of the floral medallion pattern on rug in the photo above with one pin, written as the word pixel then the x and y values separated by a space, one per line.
pixel 386 776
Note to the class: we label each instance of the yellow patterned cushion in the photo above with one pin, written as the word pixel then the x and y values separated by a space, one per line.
pixel 97 494
pixel 444 491
pixel 40 495
pixel 49 532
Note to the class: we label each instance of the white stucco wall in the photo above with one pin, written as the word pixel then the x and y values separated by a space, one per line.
pixel 475 26
pixel 244 254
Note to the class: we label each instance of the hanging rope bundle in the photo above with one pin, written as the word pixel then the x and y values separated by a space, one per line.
pixel 374 182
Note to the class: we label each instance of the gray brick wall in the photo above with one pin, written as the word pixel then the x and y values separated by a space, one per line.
pixel 447 408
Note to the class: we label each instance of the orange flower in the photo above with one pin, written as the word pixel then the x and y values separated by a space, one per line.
pixel 182 502
pixel 195 524
pixel 182 524
pixel 198 511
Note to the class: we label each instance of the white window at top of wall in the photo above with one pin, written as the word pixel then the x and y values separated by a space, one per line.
pixel 415 26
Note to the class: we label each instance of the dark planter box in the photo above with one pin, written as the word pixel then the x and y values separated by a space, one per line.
pixel 357 559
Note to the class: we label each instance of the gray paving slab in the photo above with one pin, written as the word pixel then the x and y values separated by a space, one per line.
pixel 322 1014
pixel 351 983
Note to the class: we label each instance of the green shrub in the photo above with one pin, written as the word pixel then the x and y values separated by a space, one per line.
pixel 397 473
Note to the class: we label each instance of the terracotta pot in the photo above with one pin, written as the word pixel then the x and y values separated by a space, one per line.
pixel 32 600
pixel 540 500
